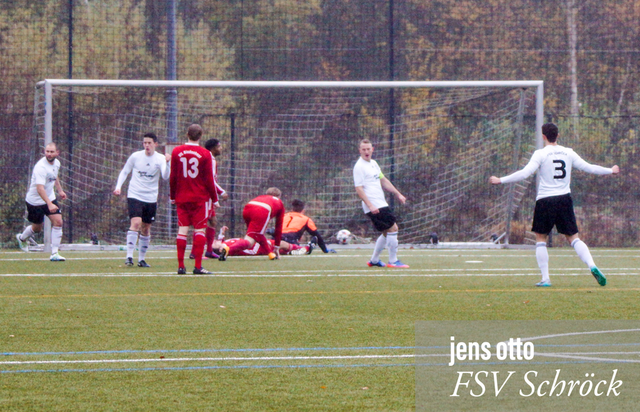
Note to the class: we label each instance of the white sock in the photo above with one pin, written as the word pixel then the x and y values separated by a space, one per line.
pixel 28 232
pixel 392 245
pixel 379 247
pixel 132 239
pixel 144 245
pixel 56 239
pixel 542 256
pixel 583 252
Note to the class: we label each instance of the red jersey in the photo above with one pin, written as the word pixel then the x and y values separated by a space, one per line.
pixel 219 189
pixel 256 250
pixel 191 179
pixel 274 208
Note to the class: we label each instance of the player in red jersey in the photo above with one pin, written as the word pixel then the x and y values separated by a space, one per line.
pixel 258 250
pixel 191 186
pixel 215 147
pixel 257 214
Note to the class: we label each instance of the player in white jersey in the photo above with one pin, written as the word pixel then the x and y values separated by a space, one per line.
pixel 554 206
pixel 41 201
pixel 370 182
pixel 146 167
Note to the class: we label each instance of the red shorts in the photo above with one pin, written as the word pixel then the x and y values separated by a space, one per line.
pixel 257 250
pixel 257 217
pixel 193 214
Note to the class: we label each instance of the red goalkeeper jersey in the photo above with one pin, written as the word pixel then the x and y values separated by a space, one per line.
pixel 192 175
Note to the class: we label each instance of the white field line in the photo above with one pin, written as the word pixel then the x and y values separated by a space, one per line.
pixel 429 253
pixel 426 273
pixel 242 359
pixel 589 356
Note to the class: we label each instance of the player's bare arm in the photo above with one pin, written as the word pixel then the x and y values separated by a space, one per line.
pixel 365 199
pixel 615 169
pixel 389 187
pixel 494 180
pixel 61 194
pixel 43 194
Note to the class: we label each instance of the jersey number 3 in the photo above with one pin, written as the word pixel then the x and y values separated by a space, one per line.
pixel 562 168
pixel 190 169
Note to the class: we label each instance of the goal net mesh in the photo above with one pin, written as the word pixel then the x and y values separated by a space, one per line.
pixel 437 146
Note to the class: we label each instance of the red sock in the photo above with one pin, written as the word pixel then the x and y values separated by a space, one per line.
pixel 238 246
pixel 199 240
pixel 210 233
pixel 262 241
pixel 181 243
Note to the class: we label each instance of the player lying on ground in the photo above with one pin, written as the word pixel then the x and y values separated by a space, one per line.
pixel 296 223
pixel 257 249
pixel 257 214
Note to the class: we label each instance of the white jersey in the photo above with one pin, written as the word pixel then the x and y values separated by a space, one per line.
pixel 46 174
pixel 147 171
pixel 554 164
pixel 368 174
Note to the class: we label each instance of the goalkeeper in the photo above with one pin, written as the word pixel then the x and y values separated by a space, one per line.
pixel 296 223
pixel 554 206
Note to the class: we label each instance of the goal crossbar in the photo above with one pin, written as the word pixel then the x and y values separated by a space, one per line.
pixel 48 84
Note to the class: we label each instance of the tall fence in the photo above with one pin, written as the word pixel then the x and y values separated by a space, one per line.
pixel 589 65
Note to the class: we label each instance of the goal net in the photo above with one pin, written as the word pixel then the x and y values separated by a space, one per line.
pixel 437 142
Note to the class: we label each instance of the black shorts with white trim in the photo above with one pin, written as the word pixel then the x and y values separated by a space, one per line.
pixel 382 220
pixel 555 211
pixel 144 210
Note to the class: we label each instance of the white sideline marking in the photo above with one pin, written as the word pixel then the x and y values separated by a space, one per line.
pixel 429 253
pixel 331 273
pixel 250 358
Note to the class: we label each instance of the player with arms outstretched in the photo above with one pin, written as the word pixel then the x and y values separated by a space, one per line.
pixel 191 187
pixel 146 167
pixel 257 214
pixel 554 206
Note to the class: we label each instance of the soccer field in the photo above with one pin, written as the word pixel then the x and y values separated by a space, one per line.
pixel 317 332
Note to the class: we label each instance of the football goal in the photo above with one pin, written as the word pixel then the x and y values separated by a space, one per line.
pixel 438 142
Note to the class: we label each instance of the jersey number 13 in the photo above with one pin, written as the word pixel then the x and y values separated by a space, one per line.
pixel 190 167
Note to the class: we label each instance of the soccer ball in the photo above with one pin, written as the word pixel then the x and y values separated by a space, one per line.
pixel 343 236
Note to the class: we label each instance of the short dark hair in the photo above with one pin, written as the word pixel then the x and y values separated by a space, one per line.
pixel 152 136
pixel 297 205
pixel 550 131
pixel 194 132
pixel 211 143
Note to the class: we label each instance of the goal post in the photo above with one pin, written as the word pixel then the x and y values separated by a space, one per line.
pixel 271 131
